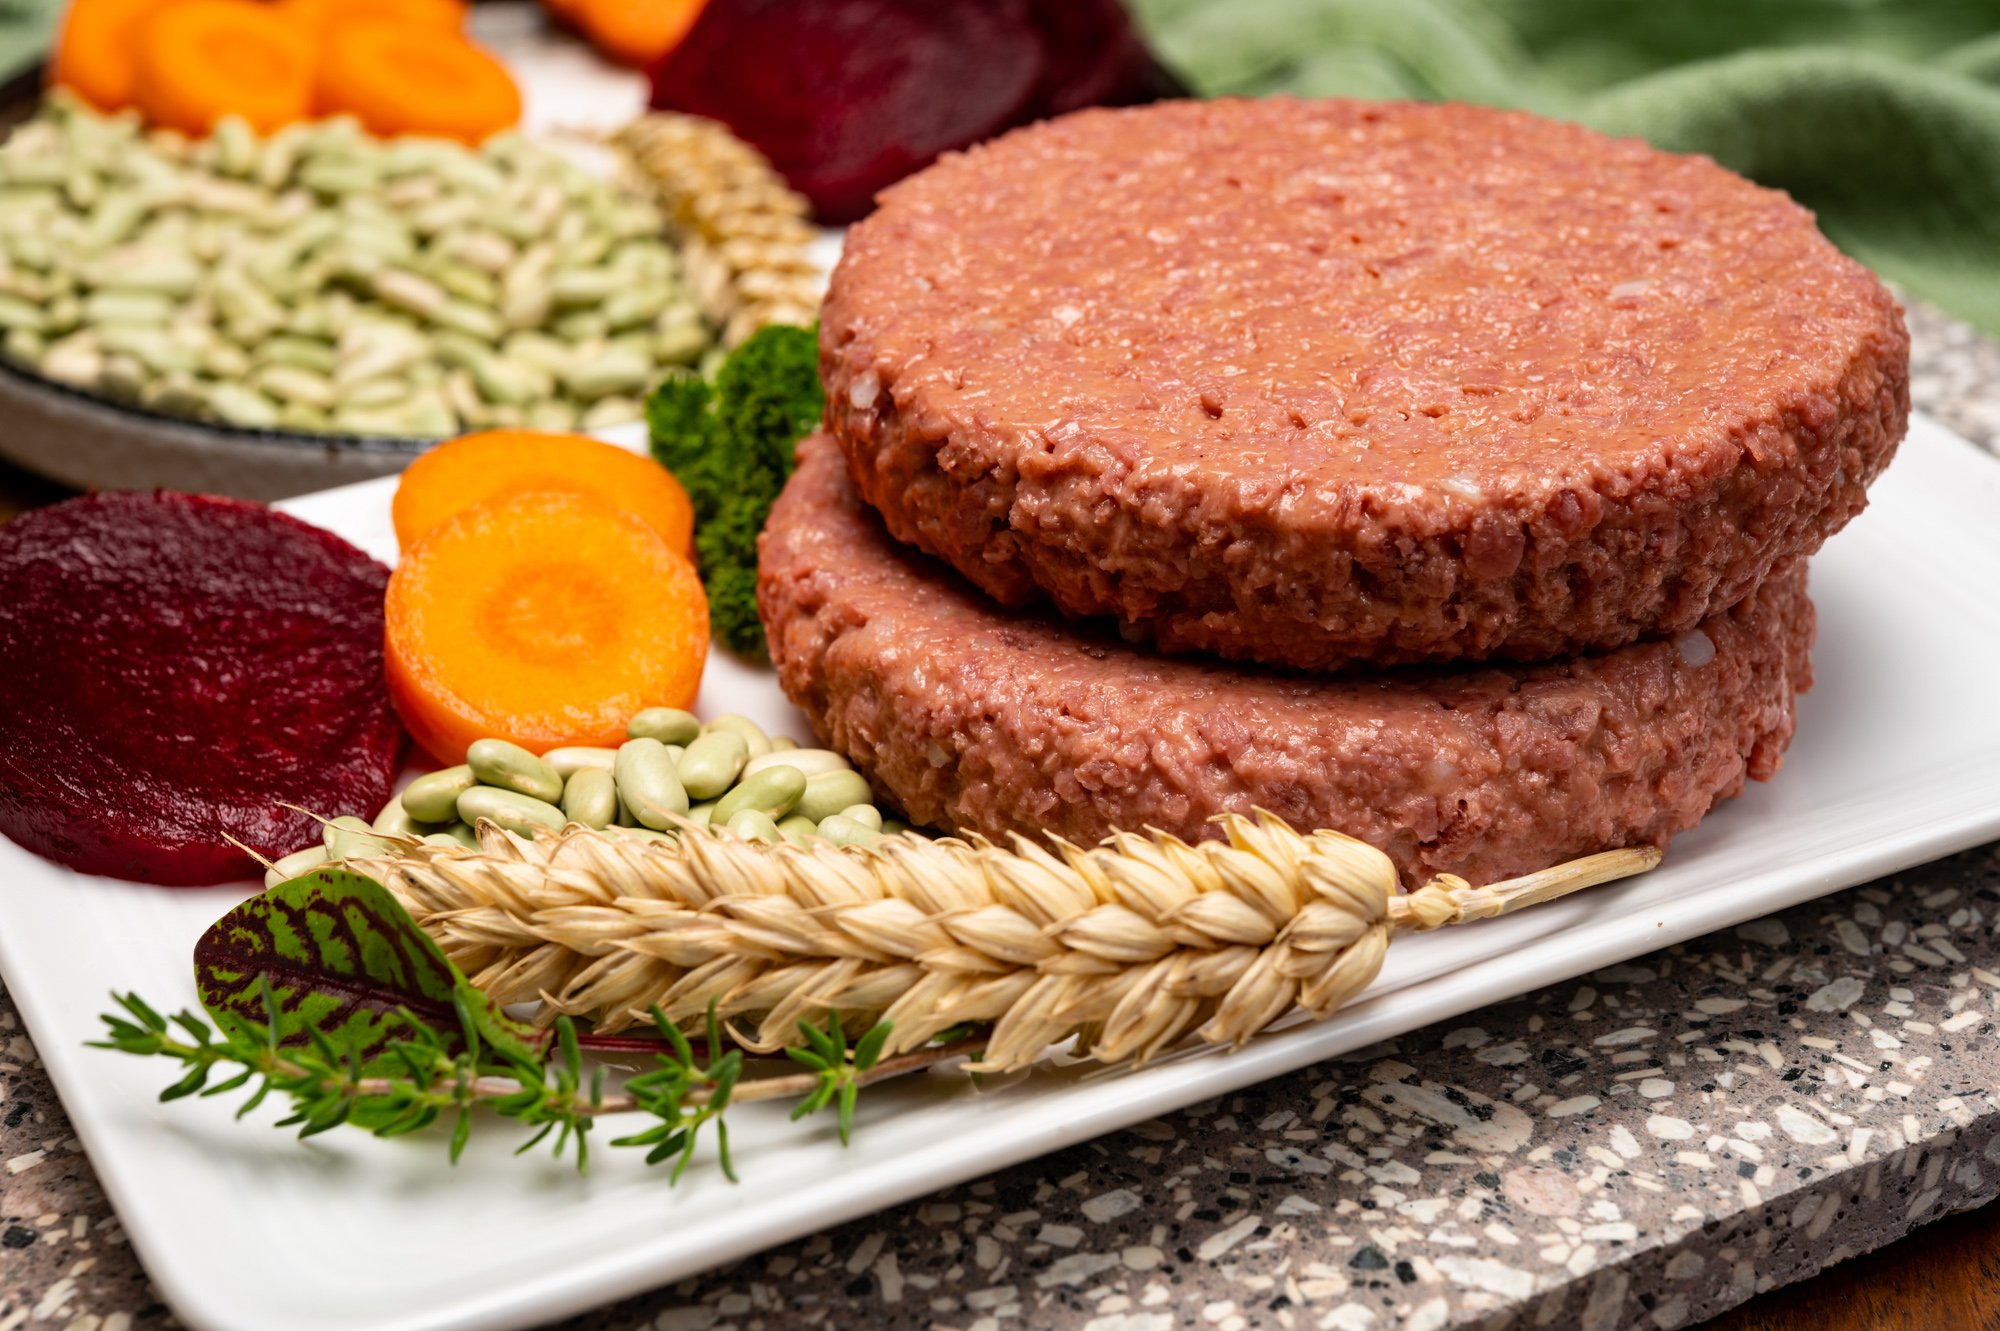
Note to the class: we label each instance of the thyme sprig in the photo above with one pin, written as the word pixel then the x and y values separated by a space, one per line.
pixel 429 1078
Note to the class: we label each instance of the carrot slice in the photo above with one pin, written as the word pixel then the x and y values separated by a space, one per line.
pixel 319 15
pixel 481 468
pixel 200 60
pixel 400 79
pixel 545 619
pixel 636 32
pixel 97 55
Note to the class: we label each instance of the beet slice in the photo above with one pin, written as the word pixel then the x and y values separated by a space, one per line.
pixel 173 669
pixel 1095 58
pixel 846 97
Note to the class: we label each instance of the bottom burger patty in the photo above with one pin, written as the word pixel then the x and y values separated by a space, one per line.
pixel 979 719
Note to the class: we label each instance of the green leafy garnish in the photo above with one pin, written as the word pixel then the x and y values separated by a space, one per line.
pixel 325 991
pixel 730 445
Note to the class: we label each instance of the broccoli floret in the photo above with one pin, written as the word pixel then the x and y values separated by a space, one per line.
pixel 730 445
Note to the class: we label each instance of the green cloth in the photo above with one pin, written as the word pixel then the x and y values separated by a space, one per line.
pixel 1883 116
pixel 27 30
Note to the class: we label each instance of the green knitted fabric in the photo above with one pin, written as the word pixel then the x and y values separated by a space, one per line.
pixel 1883 116
pixel 27 27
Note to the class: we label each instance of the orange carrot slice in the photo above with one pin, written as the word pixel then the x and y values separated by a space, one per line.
pixel 97 55
pixel 320 15
pixel 546 619
pixel 636 32
pixel 200 60
pixel 481 468
pixel 401 79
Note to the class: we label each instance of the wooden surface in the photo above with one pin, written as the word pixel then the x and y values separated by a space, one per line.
pixel 1945 1277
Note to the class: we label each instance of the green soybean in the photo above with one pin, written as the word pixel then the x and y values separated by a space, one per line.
pixel 646 834
pixel 590 797
pixel 294 864
pixel 523 815
pixel 348 835
pixel 504 766
pixel 771 792
pixel 648 784
pixel 783 743
pixel 753 734
pixel 700 814
pixel 799 831
pixel 712 763
pixel 867 815
pixel 434 798
pixel 812 762
pixel 830 792
pixel 567 762
pixel 395 820
pixel 459 833
pixel 753 825
pixel 844 831
pixel 669 725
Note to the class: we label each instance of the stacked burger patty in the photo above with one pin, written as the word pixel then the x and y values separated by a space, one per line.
pixel 1441 475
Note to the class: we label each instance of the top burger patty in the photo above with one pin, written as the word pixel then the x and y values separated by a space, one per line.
pixel 1313 383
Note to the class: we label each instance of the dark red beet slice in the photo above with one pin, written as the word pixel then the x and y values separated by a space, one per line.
pixel 1095 58
pixel 173 669
pixel 847 97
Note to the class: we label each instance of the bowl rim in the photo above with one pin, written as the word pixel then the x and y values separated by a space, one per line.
pixel 386 445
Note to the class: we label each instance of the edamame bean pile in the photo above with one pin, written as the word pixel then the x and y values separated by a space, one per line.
pixel 725 773
pixel 324 280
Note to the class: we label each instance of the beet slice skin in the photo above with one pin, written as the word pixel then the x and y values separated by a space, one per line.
pixel 846 97
pixel 1095 57
pixel 175 668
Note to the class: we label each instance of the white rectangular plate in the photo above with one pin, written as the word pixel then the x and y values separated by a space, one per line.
pixel 245 1230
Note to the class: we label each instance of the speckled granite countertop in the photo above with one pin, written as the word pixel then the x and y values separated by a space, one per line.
pixel 1644 1147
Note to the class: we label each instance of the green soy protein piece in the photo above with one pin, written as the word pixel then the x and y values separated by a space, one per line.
pixel 648 784
pixel 395 820
pixel 504 766
pixel 458 833
pixel 844 831
pixel 712 763
pixel 523 815
pixel 830 792
pixel 810 761
pixel 294 864
pixel 590 797
pixel 753 734
pixel 434 798
pixel 867 815
pixel 567 762
pixel 799 831
pixel 348 835
pixel 753 825
pixel 772 792
pixel 669 725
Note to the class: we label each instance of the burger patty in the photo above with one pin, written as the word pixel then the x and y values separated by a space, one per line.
pixel 982 719
pixel 1313 383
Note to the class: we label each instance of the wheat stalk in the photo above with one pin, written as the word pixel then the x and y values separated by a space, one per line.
pixel 745 230
pixel 1129 946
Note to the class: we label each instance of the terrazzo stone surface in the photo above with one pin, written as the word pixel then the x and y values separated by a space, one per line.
pixel 1643 1147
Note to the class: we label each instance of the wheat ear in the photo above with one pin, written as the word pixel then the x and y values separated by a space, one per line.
pixel 1128 946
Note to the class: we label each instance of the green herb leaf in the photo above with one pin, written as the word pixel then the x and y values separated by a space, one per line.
pixel 348 969
pixel 730 446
